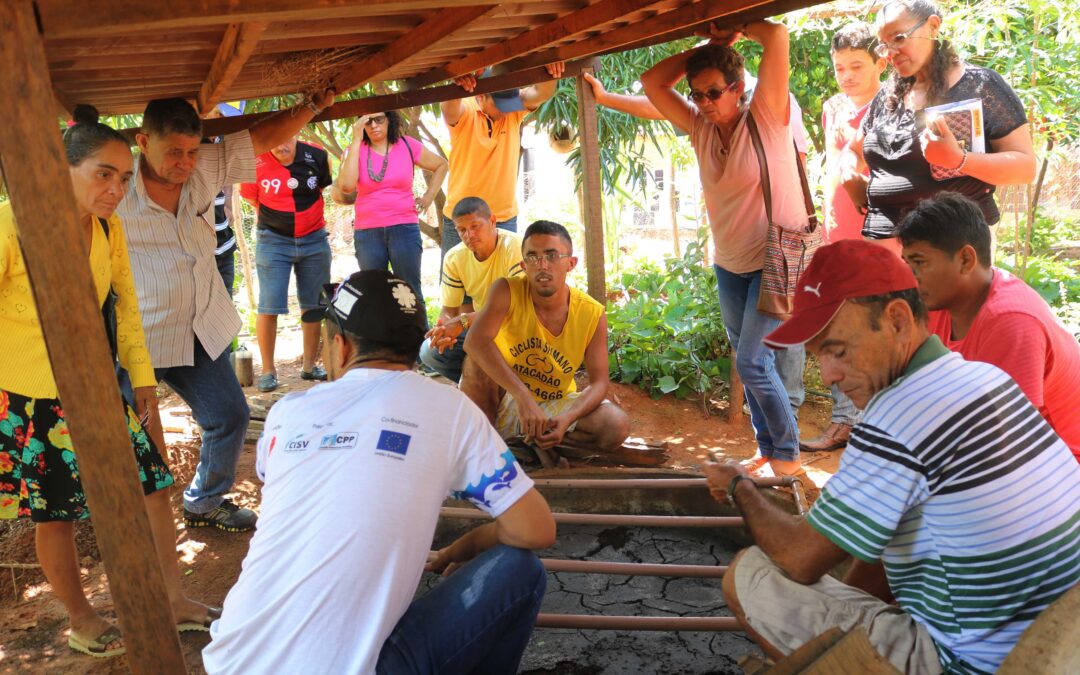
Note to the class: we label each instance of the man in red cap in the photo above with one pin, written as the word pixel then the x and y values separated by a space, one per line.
pixel 955 497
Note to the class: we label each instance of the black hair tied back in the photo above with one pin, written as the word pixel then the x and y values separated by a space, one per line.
pixel 88 135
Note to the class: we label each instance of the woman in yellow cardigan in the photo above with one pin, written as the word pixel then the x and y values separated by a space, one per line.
pixel 39 475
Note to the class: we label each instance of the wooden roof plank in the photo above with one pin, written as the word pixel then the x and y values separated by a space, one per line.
pixel 237 46
pixel 559 29
pixel 63 18
pixel 438 27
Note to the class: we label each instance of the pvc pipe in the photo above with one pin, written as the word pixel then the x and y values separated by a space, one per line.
pixel 664 623
pixel 612 519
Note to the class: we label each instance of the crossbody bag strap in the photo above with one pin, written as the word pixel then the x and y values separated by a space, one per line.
pixel 763 164
pixel 411 155
pixel 808 199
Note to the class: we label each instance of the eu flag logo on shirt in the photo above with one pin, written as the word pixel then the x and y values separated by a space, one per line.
pixel 393 441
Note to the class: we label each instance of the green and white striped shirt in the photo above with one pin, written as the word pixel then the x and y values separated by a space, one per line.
pixel 970 499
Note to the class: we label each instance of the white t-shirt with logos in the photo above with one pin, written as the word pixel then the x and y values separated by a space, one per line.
pixel 355 472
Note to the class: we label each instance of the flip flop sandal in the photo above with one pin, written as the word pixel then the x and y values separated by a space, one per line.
pixel 212 614
pixel 756 464
pixel 98 646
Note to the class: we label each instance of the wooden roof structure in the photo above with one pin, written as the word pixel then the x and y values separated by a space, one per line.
pixel 119 54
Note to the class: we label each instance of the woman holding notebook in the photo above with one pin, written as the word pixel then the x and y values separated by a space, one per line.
pixel 937 124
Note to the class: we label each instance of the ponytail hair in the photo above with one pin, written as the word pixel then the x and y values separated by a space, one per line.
pixel 88 135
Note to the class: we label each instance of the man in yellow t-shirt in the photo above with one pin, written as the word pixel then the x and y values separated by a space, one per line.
pixel 529 340
pixel 470 268
pixel 485 146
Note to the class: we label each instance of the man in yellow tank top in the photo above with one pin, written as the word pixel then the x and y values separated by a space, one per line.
pixel 527 342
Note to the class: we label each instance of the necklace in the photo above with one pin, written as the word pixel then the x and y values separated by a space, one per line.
pixel 377 178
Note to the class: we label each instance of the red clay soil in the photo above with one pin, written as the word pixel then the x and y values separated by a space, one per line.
pixel 33 625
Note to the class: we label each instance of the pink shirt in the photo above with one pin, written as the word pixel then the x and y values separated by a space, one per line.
pixel 1016 331
pixel 731 182
pixel 391 200
pixel 840 119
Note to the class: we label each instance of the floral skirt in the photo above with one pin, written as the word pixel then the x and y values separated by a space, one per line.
pixel 39 476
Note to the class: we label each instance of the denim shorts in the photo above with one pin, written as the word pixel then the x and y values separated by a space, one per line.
pixel 277 255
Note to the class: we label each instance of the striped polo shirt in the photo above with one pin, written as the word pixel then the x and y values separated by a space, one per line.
pixel 957 483
pixel 181 295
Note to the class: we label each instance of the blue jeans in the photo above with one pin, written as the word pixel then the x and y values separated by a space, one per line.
pixel 397 246
pixel 770 412
pixel 218 405
pixel 843 408
pixel 477 620
pixel 449 363
pixel 791 365
pixel 226 265
pixel 277 255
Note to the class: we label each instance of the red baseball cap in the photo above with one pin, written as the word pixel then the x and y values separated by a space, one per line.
pixel 850 268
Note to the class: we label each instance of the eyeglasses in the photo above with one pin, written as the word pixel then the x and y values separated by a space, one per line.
pixel 899 40
pixel 698 97
pixel 533 259
pixel 372 121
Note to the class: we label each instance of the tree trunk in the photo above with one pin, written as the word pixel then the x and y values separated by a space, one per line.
pixel 674 201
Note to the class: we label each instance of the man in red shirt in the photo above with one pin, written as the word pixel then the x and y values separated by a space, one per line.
pixel 989 315
pixel 291 239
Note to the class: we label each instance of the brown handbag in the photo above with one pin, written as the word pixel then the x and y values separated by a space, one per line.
pixel 787 252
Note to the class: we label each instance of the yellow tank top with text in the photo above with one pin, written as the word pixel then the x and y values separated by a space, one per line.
pixel 546 363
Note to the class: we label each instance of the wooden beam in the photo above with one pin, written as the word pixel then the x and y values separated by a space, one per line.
pixel 560 29
pixel 440 26
pixel 75 18
pixel 236 47
pixel 686 17
pixel 55 249
pixel 592 205
pixel 404 99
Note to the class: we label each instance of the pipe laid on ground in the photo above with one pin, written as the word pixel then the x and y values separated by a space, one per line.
pixel 640 483
pixel 634 569
pixel 664 623
pixel 611 519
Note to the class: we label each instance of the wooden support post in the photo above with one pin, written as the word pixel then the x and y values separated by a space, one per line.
pixel 592 207
pixel 55 248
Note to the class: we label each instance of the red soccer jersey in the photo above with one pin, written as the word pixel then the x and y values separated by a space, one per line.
pixel 1016 331
pixel 290 197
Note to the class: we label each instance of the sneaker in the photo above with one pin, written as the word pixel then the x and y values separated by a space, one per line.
pixel 267 382
pixel 227 516
pixel 316 373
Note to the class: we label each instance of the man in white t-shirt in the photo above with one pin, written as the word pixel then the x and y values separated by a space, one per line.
pixel 355 473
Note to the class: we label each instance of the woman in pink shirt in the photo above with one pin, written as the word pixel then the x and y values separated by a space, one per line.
pixel 377 177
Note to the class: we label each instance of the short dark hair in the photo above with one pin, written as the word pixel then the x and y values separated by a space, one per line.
pixel 948 221
pixel 470 205
pixel 725 59
pixel 393 128
pixel 857 35
pixel 87 135
pixel 368 350
pixel 877 304
pixel 164 116
pixel 550 228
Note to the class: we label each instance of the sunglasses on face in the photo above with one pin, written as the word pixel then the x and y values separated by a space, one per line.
pixel 885 47
pixel 372 121
pixel 712 94
pixel 533 259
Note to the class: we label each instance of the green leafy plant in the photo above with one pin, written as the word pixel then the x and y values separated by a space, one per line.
pixel 666 333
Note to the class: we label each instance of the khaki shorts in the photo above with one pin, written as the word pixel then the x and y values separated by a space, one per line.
pixel 789 614
pixel 508 420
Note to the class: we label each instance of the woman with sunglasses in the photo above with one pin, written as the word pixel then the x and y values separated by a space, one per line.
pixel 904 149
pixel 716 118
pixel 39 471
pixel 377 176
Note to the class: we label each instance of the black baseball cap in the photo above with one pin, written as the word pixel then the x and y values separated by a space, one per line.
pixel 374 305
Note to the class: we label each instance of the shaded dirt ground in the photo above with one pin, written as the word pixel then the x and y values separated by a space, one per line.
pixel 33 625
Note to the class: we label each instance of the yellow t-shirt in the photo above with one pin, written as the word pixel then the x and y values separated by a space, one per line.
pixel 546 363
pixel 24 361
pixel 485 165
pixel 463 274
